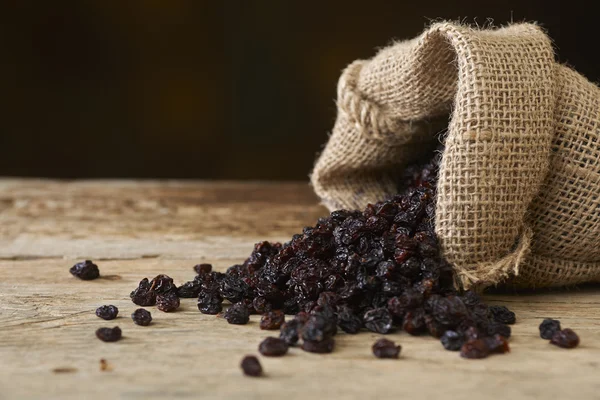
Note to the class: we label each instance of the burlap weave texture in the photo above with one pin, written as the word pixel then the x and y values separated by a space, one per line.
pixel 520 172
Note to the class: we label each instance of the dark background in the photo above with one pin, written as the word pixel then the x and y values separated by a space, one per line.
pixel 208 89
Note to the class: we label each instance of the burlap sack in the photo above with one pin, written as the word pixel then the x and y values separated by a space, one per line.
pixel 520 174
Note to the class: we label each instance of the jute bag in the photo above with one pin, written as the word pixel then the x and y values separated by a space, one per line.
pixel 520 173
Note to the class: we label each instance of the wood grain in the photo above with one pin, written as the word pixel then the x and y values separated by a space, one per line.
pixel 137 229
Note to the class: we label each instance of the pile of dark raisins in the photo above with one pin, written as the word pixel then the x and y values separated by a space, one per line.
pixel 379 270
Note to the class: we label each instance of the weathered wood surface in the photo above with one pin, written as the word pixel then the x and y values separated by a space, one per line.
pixel 137 229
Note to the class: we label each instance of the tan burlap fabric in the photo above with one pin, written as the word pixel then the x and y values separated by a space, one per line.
pixel 520 174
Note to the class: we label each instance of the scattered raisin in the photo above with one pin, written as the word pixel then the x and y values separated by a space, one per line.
pixel 237 314
pixel 167 302
pixel 85 270
pixel 251 366
pixel 273 347
pixel 109 334
pixel 107 312
pixel 141 317
pixel 384 348
pixel 548 328
pixel 502 314
pixel 565 338
pixel 272 320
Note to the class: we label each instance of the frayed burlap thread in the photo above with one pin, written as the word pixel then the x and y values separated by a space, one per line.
pixel 520 169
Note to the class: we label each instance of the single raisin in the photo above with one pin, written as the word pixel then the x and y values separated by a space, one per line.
pixel 109 334
pixel 565 338
pixel 210 303
pixel 107 312
pixel 85 270
pixel 384 348
pixel 143 296
pixel 233 288
pixel 141 317
pixel 237 314
pixel 324 346
pixel 502 314
pixel 167 302
pixel 272 320
pixel 273 347
pixel 548 328
pixel 452 340
pixel 251 366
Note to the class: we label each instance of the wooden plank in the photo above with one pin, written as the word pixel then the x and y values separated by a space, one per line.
pixel 47 322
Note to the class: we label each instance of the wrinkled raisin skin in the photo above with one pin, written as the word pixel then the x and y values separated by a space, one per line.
pixel 109 334
pixel 142 295
pixel 107 312
pixel 384 348
pixel 167 302
pixel 210 303
pixel 85 270
pixel 565 338
pixel 162 284
pixel 237 314
pixel 273 347
pixel 548 328
pixel 141 317
pixel 189 290
pixel 272 320
pixel 251 366
pixel 378 320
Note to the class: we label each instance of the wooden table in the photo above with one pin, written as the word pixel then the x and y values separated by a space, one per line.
pixel 136 229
